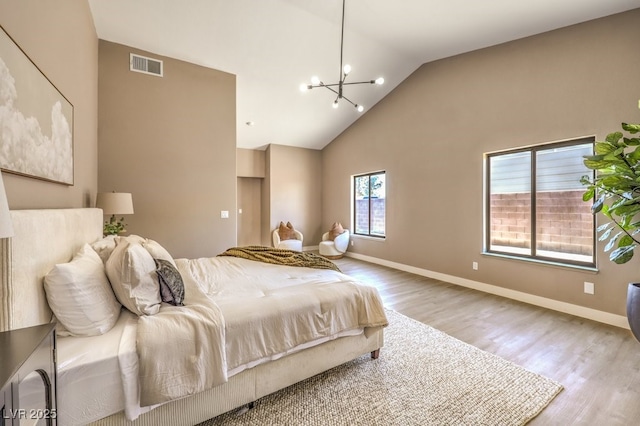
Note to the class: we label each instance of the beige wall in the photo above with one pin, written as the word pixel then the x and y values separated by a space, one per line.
pixel 250 163
pixel 59 37
pixel 431 132
pixel 294 192
pixel 171 142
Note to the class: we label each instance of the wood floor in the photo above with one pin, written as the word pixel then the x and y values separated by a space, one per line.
pixel 598 365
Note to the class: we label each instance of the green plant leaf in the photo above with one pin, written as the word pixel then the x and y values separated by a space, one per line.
pixel 625 241
pixel 589 194
pixel 631 128
pixel 635 154
pixel 586 180
pixel 612 242
pixel 597 205
pixel 603 226
pixel 614 138
pixel 622 255
pixel 596 162
pixel 603 148
pixel 605 235
pixel 632 141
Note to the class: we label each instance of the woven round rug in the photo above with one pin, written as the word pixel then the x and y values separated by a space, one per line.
pixel 423 377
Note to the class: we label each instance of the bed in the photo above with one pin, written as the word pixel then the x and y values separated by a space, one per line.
pixel 95 384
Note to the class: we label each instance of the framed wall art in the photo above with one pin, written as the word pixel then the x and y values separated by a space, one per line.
pixel 36 120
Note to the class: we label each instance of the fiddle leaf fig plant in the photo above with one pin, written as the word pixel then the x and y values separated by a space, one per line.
pixel 615 189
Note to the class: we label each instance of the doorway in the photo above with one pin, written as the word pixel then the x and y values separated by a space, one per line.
pixel 249 211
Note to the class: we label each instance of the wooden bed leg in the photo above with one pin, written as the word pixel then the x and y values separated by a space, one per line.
pixel 375 354
pixel 245 408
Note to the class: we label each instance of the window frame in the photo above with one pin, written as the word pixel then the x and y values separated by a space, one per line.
pixel 355 211
pixel 534 256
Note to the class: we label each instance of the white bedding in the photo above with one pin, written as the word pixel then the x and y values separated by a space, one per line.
pixel 89 384
pixel 268 311
pixel 273 309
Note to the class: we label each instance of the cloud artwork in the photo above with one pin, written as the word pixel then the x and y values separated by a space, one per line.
pixel 24 147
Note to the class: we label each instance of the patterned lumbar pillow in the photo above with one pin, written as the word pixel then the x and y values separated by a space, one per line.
pixel 171 284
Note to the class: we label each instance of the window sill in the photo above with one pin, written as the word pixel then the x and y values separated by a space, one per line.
pixel 366 237
pixel 592 269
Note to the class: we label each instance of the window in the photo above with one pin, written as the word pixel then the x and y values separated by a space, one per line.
pixel 369 193
pixel 534 203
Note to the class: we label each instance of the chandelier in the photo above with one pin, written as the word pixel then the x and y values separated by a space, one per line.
pixel 338 88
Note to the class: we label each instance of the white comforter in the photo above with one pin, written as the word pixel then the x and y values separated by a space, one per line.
pixel 251 312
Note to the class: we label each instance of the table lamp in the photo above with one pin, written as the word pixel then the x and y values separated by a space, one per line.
pixel 115 203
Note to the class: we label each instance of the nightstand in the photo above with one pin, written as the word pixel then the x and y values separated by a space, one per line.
pixel 28 376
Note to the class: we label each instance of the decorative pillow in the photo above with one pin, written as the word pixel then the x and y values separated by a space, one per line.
pixel 135 238
pixel 80 296
pixel 133 277
pixel 336 229
pixel 286 232
pixel 171 284
pixel 104 247
pixel 157 251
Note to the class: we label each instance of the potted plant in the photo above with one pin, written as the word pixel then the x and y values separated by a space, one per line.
pixel 615 187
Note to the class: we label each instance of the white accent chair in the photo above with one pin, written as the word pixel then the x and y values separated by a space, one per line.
pixel 295 245
pixel 334 249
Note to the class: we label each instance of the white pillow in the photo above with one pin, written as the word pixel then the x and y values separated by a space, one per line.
pixel 157 251
pixel 133 277
pixel 80 296
pixel 104 247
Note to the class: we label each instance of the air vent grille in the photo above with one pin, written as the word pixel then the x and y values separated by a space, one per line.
pixel 145 65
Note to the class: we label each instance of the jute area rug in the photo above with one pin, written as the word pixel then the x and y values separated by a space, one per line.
pixel 423 377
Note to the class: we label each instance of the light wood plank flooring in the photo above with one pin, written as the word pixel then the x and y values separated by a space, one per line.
pixel 598 365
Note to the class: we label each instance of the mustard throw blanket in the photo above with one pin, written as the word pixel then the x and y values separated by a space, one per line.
pixel 281 257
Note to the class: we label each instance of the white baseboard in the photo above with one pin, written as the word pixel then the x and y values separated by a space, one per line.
pixel 568 308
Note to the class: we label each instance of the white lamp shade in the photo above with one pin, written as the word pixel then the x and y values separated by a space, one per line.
pixel 115 202
pixel 6 227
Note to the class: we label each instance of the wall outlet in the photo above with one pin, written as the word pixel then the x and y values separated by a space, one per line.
pixel 589 288
pixel 353 243
pixel 474 265
pixel 224 214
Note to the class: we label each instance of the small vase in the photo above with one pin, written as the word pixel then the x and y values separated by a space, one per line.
pixel 633 309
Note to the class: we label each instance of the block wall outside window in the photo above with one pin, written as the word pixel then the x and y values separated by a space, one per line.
pixel 377 216
pixel 564 222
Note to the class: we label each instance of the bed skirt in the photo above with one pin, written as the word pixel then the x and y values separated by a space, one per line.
pixel 254 383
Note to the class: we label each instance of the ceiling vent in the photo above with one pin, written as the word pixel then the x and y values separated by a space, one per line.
pixel 145 65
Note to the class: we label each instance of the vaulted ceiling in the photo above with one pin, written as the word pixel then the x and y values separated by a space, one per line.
pixel 273 46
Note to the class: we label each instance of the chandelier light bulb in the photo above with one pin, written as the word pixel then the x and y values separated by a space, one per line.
pixel 315 80
pixel 335 104
pixel 360 108
pixel 304 87
pixel 379 80
pixel 347 69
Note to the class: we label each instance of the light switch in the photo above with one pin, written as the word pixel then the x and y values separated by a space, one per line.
pixel 224 214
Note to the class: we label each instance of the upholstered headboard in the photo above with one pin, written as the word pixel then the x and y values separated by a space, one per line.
pixel 42 239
